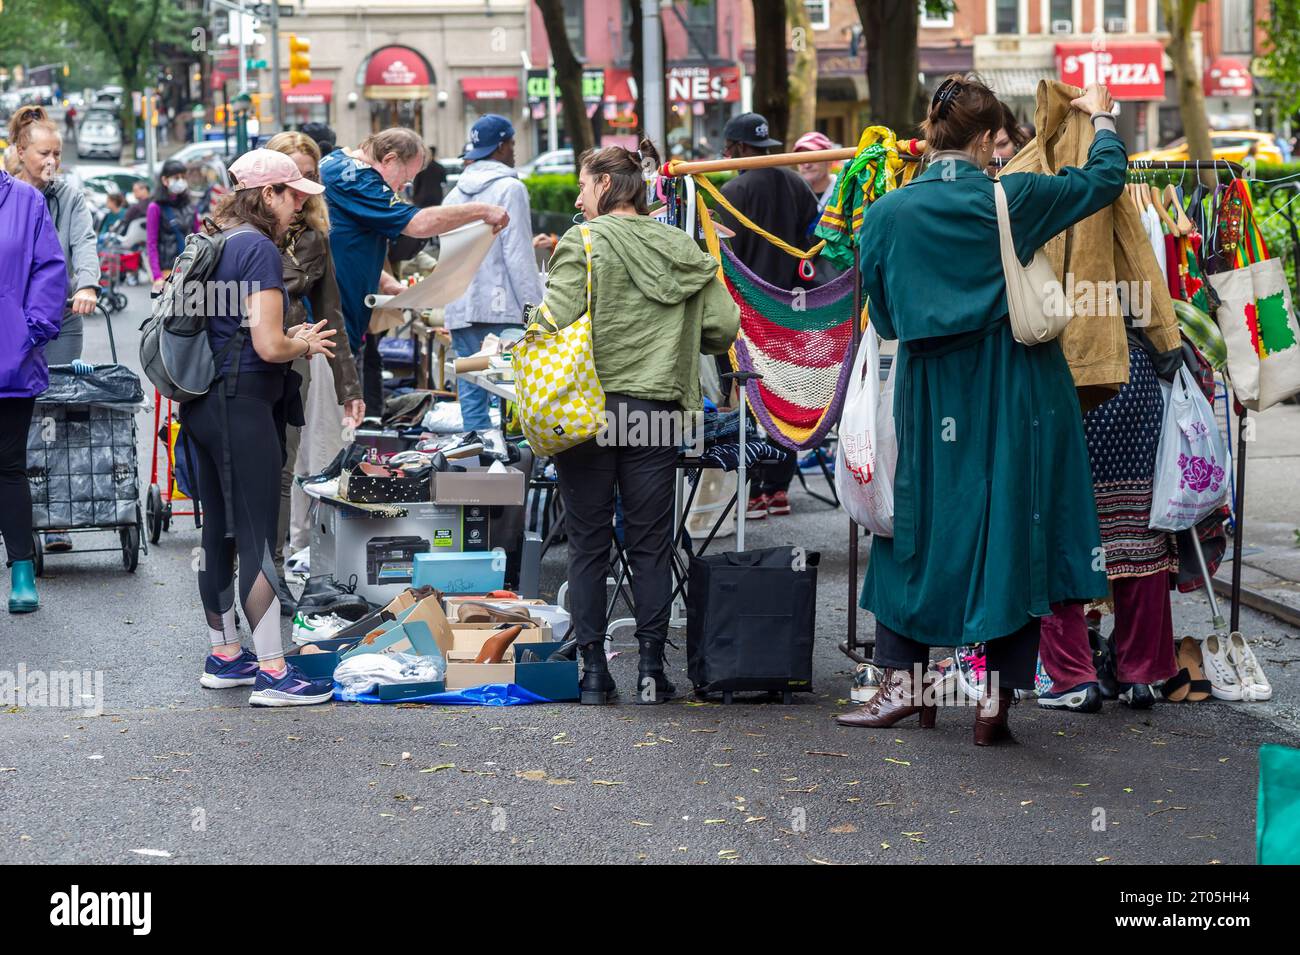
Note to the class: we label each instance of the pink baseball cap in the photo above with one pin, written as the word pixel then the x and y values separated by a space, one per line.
pixel 812 141
pixel 266 167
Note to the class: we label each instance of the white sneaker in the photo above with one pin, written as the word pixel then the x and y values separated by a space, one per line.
pixel 1225 684
pixel 1254 684
pixel 866 683
pixel 316 627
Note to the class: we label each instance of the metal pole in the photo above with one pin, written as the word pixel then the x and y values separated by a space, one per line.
pixel 275 65
pixel 1239 512
pixel 150 135
pixel 653 80
pixel 552 132
pixel 243 58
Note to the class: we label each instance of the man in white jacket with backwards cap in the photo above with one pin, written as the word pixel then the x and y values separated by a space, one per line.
pixel 508 278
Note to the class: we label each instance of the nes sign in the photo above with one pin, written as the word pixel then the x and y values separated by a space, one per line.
pixel 703 84
pixel 1132 71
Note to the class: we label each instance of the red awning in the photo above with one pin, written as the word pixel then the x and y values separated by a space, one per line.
pixel 1132 70
pixel 316 91
pixel 490 87
pixel 397 72
pixel 620 86
pixel 1228 77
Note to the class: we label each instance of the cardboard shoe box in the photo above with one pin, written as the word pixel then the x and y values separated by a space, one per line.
pixel 554 681
pixel 475 485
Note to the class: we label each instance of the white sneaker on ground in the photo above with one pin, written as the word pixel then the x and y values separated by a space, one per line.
pixel 312 628
pixel 1225 684
pixel 1254 684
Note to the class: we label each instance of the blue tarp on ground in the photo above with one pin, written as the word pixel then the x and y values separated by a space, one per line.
pixel 489 694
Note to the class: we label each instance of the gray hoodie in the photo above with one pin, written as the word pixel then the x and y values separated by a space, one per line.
pixel 76 231
pixel 508 278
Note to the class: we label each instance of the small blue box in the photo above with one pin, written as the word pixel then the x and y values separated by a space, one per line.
pixel 461 573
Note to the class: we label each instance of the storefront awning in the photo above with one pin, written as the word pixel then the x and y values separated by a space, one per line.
pixel 490 87
pixel 312 93
pixel 397 72
pixel 1228 77
pixel 1014 83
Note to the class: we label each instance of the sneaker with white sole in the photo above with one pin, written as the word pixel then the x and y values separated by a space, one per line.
pixel 1225 683
pixel 1254 684
pixel 289 688
pixel 220 673
pixel 1084 698
pixel 312 628
pixel 1136 696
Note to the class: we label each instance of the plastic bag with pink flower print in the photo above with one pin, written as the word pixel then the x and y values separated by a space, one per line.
pixel 1192 465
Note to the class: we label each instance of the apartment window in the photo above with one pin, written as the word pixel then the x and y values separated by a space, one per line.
pixel 819 12
pixel 1238 30
pixel 1061 12
pixel 1115 16
pixel 574 26
pixel 702 18
pixel 1007 13
pixel 937 21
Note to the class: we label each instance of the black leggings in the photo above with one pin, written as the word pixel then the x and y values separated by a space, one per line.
pixel 256 456
pixel 15 492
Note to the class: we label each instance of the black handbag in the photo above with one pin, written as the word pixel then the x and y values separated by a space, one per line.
pixel 750 619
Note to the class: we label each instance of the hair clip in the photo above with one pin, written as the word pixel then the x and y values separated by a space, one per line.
pixel 944 96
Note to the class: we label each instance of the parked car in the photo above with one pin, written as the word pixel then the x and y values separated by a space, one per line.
pixel 552 162
pixel 98 134
pixel 1230 144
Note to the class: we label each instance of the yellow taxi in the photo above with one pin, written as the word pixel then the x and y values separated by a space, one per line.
pixel 1231 144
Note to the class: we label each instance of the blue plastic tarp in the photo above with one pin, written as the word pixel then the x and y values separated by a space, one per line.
pixel 489 694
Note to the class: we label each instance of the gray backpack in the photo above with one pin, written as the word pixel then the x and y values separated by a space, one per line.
pixel 174 349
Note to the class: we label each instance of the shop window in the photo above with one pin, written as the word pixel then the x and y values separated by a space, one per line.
pixel 1007 16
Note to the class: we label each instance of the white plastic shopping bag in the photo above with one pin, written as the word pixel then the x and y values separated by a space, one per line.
pixel 867 453
pixel 1191 476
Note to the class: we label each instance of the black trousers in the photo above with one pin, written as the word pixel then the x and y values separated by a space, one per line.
pixel 256 456
pixel 643 469
pixel 15 492
pixel 1013 657
pixel 770 478
pixel 371 369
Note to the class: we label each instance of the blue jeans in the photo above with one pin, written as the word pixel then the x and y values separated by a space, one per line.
pixel 473 399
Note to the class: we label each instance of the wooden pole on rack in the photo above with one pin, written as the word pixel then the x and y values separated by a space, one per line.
pixel 676 167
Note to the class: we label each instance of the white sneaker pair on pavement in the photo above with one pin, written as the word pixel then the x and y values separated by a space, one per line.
pixel 1234 671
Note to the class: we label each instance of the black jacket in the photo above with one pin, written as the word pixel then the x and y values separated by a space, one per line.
pixel 781 202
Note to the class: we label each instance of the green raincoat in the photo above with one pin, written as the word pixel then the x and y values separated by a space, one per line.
pixel 994 514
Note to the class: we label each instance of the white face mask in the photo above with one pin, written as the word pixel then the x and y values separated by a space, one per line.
pixel 177 186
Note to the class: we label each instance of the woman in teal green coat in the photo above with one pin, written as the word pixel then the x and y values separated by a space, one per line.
pixel 994 514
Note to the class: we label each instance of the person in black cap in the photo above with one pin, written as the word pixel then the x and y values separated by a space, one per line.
pixel 322 135
pixel 780 202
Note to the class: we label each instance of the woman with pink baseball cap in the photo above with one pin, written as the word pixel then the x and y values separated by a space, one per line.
pixel 237 439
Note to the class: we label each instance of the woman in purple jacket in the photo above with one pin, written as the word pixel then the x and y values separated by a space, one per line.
pixel 33 285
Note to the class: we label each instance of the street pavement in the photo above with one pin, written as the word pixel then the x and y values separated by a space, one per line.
pixel 171 771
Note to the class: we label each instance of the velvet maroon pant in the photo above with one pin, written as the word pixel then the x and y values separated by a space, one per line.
pixel 1144 636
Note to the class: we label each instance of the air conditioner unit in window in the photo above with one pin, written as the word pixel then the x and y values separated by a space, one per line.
pixel 1117 25
pixel 1062 26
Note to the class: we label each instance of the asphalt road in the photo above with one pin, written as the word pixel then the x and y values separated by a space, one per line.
pixel 198 775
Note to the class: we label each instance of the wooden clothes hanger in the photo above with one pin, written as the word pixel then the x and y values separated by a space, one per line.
pixel 1182 225
pixel 1158 204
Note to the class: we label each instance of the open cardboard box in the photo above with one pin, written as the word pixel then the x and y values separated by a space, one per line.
pixel 554 681
pixel 475 485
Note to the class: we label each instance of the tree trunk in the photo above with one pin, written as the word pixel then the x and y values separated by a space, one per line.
pixel 1180 15
pixel 889 35
pixel 771 74
pixel 803 79
pixel 638 61
pixel 568 76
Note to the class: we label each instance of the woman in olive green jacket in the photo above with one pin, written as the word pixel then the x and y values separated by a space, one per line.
pixel 656 305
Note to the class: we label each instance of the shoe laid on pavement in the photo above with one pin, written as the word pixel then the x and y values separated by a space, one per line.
pixel 1254 684
pixel 1084 698
pixel 756 509
pixel 1225 682
pixel 289 688
pixel 57 542
pixel 312 628
pixel 219 674
pixel 778 504
pixel 1137 696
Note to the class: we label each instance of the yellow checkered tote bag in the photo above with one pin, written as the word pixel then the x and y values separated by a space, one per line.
pixel 561 403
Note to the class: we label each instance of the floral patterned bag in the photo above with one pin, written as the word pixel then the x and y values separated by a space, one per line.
pixel 1191 477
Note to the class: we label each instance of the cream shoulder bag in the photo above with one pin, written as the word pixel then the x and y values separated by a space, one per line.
pixel 1036 301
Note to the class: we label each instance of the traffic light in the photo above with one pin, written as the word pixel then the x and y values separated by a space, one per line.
pixel 299 60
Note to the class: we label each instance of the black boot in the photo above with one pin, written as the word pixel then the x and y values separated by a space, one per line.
pixel 323 594
pixel 597 686
pixel 652 685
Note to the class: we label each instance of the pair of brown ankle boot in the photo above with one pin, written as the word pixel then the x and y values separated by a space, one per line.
pixel 897 699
